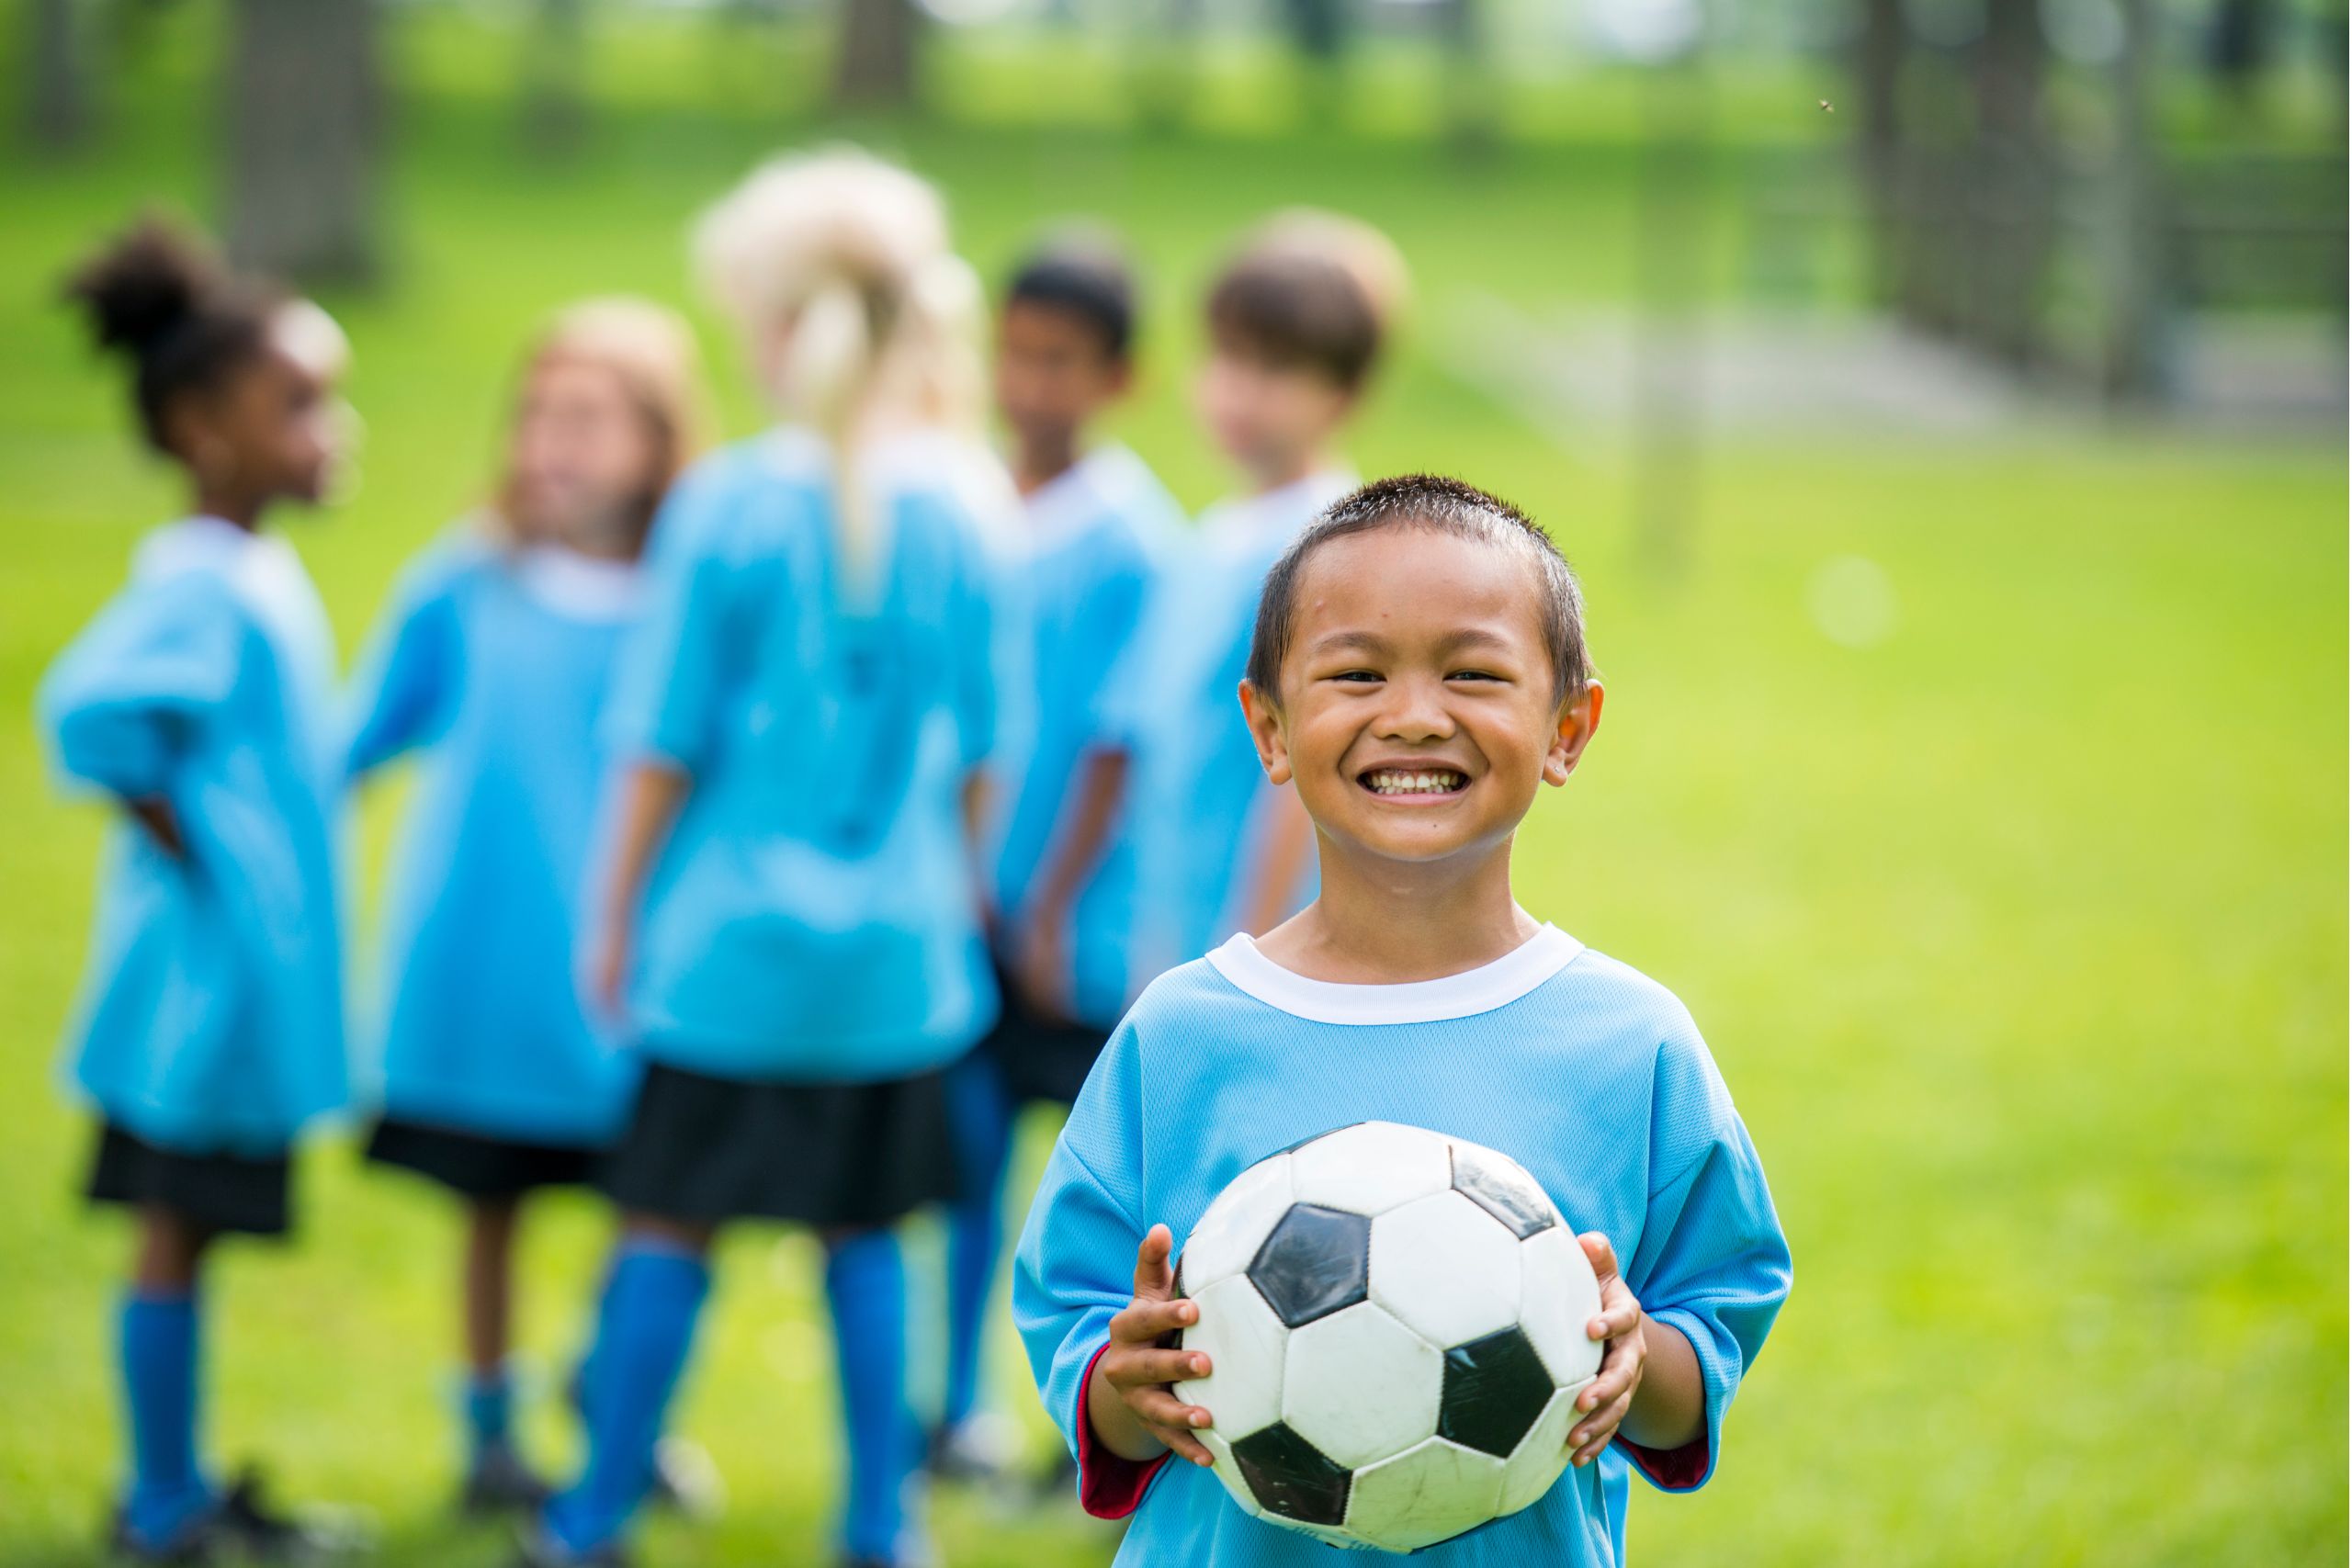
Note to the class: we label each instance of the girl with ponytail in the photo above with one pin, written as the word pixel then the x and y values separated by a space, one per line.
pixel 791 939
pixel 209 1032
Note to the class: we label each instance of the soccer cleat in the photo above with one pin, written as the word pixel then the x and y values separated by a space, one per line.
pixel 501 1483
pixel 537 1547
pixel 981 1449
pixel 686 1479
pixel 191 1547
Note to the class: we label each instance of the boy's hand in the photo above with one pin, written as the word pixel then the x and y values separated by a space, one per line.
pixel 1602 1405
pixel 608 969
pixel 1135 1411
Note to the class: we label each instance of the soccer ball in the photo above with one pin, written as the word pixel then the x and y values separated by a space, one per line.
pixel 1395 1327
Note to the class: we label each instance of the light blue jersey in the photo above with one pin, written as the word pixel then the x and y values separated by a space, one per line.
pixel 1096 538
pixel 496 662
pixel 1588 1075
pixel 1195 776
pixel 211 1013
pixel 813 915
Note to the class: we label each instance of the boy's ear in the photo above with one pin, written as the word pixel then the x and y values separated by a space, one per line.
pixel 1266 728
pixel 1578 719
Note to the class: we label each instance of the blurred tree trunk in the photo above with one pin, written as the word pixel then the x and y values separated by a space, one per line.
pixel 555 96
pixel 1473 95
pixel 877 59
pixel 1318 28
pixel 1168 35
pixel 2014 194
pixel 56 85
pixel 2132 370
pixel 303 112
pixel 1881 44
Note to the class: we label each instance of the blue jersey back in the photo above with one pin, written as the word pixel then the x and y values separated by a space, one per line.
pixel 211 1012
pixel 813 915
pixel 496 663
pixel 1197 786
pixel 1095 540
pixel 1588 1075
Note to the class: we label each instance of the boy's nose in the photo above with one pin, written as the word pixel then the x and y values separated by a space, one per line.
pixel 1416 711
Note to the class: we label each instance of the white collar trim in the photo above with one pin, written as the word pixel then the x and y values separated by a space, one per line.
pixel 1472 992
pixel 581 586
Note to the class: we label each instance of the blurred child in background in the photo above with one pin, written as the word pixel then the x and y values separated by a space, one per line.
pixel 494 659
pixel 210 1028
pixel 793 933
pixel 1296 320
pixel 1096 523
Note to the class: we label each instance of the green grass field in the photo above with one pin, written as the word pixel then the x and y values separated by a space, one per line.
pixel 2019 934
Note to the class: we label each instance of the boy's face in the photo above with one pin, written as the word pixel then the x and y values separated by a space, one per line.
pixel 1270 419
pixel 1054 372
pixel 1416 711
pixel 582 455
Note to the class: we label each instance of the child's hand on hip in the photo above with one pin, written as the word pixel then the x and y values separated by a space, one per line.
pixel 1602 1405
pixel 1139 1366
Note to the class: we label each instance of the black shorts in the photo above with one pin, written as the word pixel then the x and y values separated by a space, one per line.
pixel 707 1149
pixel 475 1166
pixel 220 1193
pixel 1041 1058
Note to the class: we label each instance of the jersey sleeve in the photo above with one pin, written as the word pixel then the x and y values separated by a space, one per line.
pixel 126 698
pixel 1712 1260
pixel 1113 618
pixel 988 636
pixel 400 698
pixel 673 674
pixel 1075 1267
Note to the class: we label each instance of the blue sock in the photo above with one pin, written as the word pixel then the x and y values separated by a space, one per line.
pixel 488 1401
pixel 865 1285
pixel 981 1113
pixel 643 1333
pixel 158 1346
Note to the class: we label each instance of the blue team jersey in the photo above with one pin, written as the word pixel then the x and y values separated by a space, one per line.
pixel 813 915
pixel 1096 537
pixel 496 662
pixel 1195 776
pixel 210 1018
pixel 1590 1076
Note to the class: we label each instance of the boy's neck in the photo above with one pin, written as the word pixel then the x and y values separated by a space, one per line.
pixel 1041 458
pixel 243 511
pixel 1284 472
pixel 1386 922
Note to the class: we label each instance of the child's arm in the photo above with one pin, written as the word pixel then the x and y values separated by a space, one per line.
pixel 652 794
pixel 1649 1385
pixel 124 702
pixel 399 699
pixel 1131 1404
pixel 1041 946
pixel 1287 838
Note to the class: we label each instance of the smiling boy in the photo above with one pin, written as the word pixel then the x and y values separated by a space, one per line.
pixel 1418 668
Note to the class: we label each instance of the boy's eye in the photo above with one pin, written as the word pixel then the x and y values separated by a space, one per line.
pixel 1359 675
pixel 1473 675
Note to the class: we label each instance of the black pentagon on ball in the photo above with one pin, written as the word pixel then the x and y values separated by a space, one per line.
pixel 1495 1388
pixel 1315 1261
pixel 1509 1195
pixel 1290 1476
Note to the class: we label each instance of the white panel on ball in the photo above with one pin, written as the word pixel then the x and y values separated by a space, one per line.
pixel 1559 1296
pixel 1237 1486
pixel 1428 1493
pixel 1370 1167
pixel 1360 1386
pixel 1229 1234
pixel 1446 1268
pixel 1243 1340
pixel 1541 1455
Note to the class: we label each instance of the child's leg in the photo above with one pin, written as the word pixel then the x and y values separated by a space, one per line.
pixel 982 1111
pixel 490 1253
pixel 645 1328
pixel 159 1346
pixel 866 1286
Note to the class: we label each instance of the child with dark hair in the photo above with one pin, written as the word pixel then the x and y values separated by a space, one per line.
pixel 1097 524
pixel 1296 321
pixel 1418 670
pixel 493 663
pixel 209 1031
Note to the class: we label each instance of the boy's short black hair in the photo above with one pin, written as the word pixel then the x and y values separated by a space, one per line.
pixel 1442 505
pixel 1295 309
pixel 1085 277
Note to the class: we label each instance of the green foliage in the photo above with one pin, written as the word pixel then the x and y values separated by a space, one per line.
pixel 2020 935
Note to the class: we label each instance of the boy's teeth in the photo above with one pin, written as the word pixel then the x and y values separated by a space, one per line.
pixel 1389 781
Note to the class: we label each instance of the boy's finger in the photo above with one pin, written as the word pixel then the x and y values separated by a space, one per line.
pixel 1591 1434
pixel 1184 1445
pixel 1141 1322
pixel 1612 1383
pixel 1614 1320
pixel 1157 1407
pixel 1153 1280
pixel 1601 1255
pixel 1144 1366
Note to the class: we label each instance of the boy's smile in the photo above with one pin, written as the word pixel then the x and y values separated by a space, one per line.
pixel 1417 706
